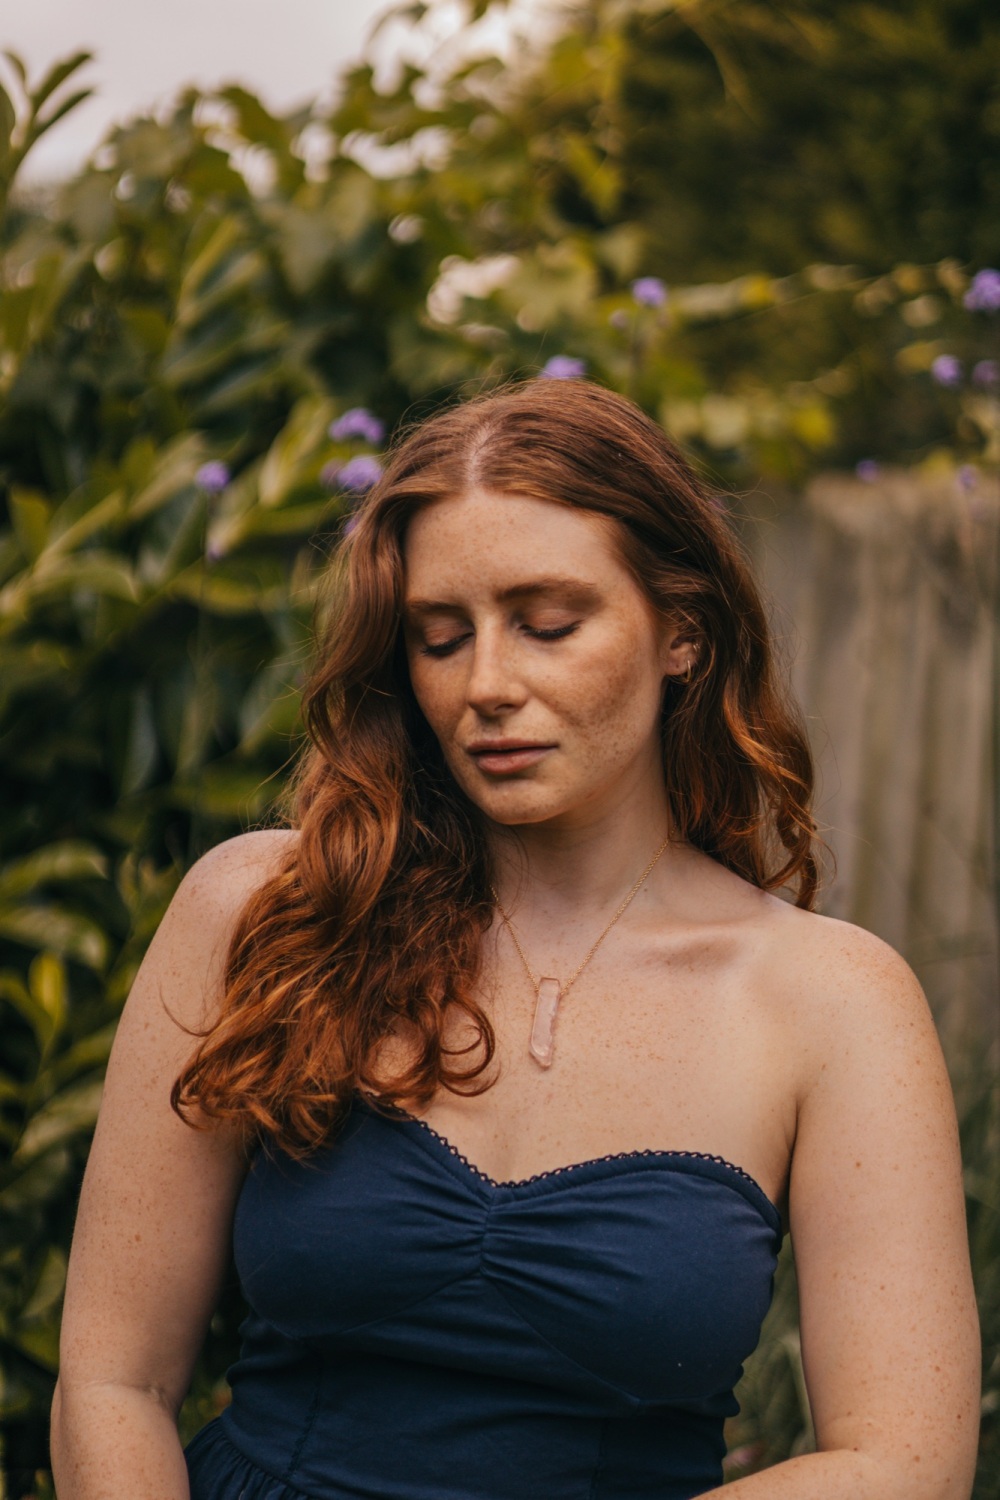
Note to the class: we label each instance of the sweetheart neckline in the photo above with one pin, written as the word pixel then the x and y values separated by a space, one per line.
pixel 377 1106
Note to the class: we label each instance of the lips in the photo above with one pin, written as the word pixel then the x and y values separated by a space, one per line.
pixel 500 757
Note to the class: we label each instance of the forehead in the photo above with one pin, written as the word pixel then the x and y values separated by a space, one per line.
pixel 484 541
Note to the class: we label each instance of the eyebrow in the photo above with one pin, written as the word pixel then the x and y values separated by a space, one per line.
pixel 580 590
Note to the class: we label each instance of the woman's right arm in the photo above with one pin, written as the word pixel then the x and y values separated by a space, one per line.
pixel 153 1230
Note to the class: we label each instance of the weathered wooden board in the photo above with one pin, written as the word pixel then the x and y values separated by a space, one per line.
pixel 885 604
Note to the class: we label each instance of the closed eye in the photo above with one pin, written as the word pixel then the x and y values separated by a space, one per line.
pixel 445 648
pixel 552 635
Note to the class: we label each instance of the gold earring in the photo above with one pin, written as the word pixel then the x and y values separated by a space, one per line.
pixel 687 670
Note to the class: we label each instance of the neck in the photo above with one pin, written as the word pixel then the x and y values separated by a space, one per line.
pixel 556 870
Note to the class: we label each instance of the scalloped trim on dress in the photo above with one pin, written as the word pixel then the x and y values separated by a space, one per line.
pixel 515 1182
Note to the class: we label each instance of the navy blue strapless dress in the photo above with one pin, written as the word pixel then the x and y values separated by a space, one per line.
pixel 420 1332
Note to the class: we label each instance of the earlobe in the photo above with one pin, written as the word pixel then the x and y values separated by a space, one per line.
pixel 679 654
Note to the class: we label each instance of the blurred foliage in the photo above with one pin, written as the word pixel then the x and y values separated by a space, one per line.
pixel 830 130
pixel 805 194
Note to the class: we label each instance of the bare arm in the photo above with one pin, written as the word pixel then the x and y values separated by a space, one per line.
pixel 890 1334
pixel 153 1231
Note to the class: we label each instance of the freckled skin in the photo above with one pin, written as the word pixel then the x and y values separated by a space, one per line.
pixel 594 695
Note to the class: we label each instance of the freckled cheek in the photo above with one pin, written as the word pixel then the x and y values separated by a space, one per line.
pixel 611 701
pixel 439 697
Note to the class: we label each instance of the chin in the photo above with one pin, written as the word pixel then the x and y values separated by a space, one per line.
pixel 513 806
pixel 514 800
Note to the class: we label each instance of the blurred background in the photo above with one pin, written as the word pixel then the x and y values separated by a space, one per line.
pixel 227 274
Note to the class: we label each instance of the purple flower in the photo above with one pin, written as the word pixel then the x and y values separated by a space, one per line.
pixel 619 319
pixel 968 477
pixel 358 423
pixel 359 474
pixel 867 470
pixel 212 477
pixel 947 371
pixel 563 367
pixel 986 372
pixel 984 293
pixel 649 291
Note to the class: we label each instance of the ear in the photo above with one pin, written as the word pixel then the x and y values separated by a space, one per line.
pixel 679 644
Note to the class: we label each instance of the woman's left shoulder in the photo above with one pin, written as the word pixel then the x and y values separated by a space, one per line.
pixel 825 966
pixel 844 999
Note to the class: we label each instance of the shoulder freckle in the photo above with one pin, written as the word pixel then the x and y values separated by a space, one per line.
pixel 836 982
pixel 234 868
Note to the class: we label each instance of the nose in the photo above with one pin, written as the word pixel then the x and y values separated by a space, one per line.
pixel 493 685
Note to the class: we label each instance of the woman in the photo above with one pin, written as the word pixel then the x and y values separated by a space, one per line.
pixel 527 1059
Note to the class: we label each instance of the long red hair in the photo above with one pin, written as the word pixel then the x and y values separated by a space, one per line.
pixel 379 911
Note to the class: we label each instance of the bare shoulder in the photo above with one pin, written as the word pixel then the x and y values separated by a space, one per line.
pixel 840 991
pixel 826 966
pixel 233 870
pixel 185 960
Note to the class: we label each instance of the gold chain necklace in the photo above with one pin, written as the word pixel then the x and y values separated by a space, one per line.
pixel 548 991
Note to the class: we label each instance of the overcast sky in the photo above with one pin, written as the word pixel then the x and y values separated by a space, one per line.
pixel 145 50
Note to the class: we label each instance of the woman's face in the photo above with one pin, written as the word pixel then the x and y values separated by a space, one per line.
pixel 536 658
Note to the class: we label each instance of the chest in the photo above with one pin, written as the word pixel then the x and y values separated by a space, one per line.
pixel 667 1046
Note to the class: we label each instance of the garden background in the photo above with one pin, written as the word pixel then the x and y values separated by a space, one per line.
pixel 775 225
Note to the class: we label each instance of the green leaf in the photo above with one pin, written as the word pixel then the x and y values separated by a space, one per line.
pixel 85 1056
pixel 178 462
pixel 48 1288
pixel 8 120
pixel 294 449
pixel 96 572
pixel 223 351
pixel 56 76
pixel 225 595
pixel 290 520
pixel 67 535
pixel 40 1342
pixel 15 1093
pixel 271 706
pixel 598 176
pixel 31 1186
pixel 149 327
pixel 47 926
pixel 197 727
pixel 47 982
pixel 239 275
pixel 206 266
pixel 16 993
pixel 226 792
pixel 242 387
pixel 70 1114
pixel 142 748
pixel 30 513
pixel 66 861
pixel 65 107
pixel 256 123
pixel 18 66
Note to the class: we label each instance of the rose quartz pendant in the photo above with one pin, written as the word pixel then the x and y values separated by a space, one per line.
pixel 542 1045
